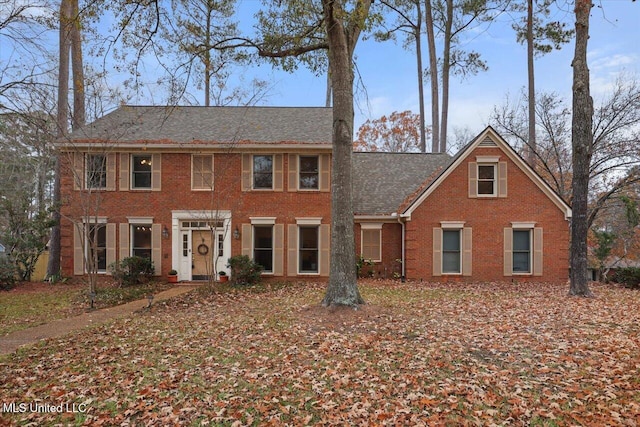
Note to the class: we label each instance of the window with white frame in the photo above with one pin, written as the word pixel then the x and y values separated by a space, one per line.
pixel 97 247
pixel 141 240
pixel 521 251
pixel 141 171
pixel 96 171
pixel 309 173
pixel 451 251
pixel 486 179
pixel 308 249
pixel 263 172
pixel 202 172
pixel 371 242
pixel 263 246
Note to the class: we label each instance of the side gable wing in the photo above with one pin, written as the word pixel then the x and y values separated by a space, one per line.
pixel 489 138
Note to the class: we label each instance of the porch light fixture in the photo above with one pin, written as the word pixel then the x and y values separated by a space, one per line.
pixel 236 233
pixel 165 232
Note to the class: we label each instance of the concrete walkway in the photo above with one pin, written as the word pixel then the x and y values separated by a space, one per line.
pixel 10 342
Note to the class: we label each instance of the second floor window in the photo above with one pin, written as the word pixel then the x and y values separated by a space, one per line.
pixel 486 180
pixel 263 172
pixel 96 170
pixel 141 171
pixel 309 178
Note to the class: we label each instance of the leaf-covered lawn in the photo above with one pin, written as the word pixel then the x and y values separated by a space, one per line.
pixel 417 354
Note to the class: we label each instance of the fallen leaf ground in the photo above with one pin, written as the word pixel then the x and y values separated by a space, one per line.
pixel 416 354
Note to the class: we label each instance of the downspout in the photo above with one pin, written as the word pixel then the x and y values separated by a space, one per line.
pixel 402 255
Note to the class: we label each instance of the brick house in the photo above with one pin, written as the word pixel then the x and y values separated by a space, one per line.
pixel 189 187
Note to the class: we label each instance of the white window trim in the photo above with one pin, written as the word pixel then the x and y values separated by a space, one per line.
pixel 132 171
pixel 101 220
pixel 371 226
pixel 261 222
pixel 524 226
pixel 308 222
pixel 449 225
pixel 193 188
pixel 140 220
pixel 86 171
pixel 460 252
pixel 495 179
pixel 273 162
pixel 300 172
pixel 267 220
pixel 487 159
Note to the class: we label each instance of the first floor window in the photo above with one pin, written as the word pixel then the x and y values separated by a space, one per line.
pixel 263 172
pixel 263 246
pixel 521 251
pixel 96 170
pixel 141 171
pixel 308 250
pixel 97 247
pixel 141 241
pixel 451 251
pixel 371 247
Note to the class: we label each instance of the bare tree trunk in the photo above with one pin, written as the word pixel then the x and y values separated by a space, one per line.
pixel 531 145
pixel 327 101
pixel 77 67
pixel 418 35
pixel 433 74
pixel 446 66
pixel 582 142
pixel 343 287
pixel 53 266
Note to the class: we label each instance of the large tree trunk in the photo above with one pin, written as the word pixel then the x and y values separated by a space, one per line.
pixel 433 74
pixel 582 142
pixel 531 146
pixel 66 11
pixel 77 68
pixel 446 68
pixel 418 35
pixel 343 287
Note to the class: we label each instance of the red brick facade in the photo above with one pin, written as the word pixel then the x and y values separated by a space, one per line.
pixel 518 232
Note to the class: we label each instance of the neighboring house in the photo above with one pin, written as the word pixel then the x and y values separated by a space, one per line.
pixel 188 185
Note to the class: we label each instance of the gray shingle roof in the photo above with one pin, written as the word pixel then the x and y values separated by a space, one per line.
pixel 383 181
pixel 179 125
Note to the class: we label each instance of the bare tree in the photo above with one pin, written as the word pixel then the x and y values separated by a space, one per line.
pixel 582 144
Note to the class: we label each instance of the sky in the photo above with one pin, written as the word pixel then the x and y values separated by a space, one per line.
pixel 388 72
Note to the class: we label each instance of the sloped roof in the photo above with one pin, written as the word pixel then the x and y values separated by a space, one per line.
pixel 488 137
pixel 209 125
pixel 383 181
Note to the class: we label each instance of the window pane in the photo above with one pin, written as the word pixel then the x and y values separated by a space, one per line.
pixel 521 262
pixel 371 245
pixel 142 171
pixel 263 247
pixel 451 262
pixel 262 171
pixel 97 241
pixel 202 172
pixel 485 172
pixel 308 249
pixel 451 240
pixel 521 240
pixel 141 245
pixel 309 172
pixel 96 168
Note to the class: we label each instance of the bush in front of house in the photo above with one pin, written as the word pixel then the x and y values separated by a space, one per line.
pixel 629 277
pixel 132 270
pixel 8 274
pixel 244 270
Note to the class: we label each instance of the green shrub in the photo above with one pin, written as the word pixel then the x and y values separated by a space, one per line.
pixel 244 271
pixel 132 270
pixel 630 277
pixel 8 274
